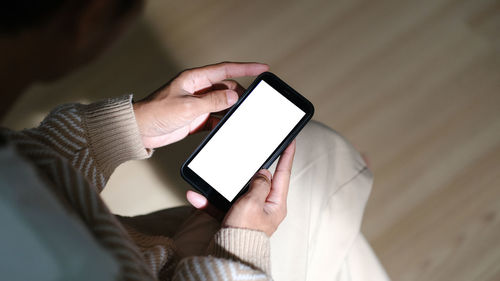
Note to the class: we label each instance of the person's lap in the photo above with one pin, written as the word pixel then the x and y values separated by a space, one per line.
pixel 320 238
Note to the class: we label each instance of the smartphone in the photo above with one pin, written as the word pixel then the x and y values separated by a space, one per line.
pixel 264 121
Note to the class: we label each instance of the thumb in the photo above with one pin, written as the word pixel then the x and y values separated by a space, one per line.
pixel 201 203
pixel 197 200
pixel 218 100
pixel 260 186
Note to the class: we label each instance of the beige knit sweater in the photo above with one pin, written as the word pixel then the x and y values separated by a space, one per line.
pixel 77 147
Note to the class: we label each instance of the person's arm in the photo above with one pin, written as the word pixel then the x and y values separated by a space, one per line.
pixel 241 247
pixel 234 253
pixel 98 137
pixel 94 138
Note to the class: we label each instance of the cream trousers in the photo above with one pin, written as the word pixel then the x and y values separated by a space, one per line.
pixel 320 238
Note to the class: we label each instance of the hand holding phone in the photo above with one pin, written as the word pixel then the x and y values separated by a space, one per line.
pixel 183 105
pixel 250 137
pixel 265 199
pixel 264 206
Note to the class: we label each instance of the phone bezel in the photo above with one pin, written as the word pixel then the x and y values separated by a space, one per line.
pixel 213 196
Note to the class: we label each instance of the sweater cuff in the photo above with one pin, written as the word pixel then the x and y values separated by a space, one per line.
pixel 247 246
pixel 113 133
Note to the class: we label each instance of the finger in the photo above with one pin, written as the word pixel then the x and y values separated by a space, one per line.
pixel 197 200
pixel 286 159
pixel 281 180
pixel 260 185
pixel 199 78
pixel 223 85
pixel 201 203
pixel 233 85
pixel 216 101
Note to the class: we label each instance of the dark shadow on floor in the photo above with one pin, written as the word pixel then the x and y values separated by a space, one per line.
pixel 138 64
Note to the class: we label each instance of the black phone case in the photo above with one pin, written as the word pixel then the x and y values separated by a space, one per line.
pixel 214 197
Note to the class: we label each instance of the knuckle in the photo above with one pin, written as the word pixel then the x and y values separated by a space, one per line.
pixel 189 106
pixel 185 73
pixel 225 66
pixel 231 84
pixel 186 81
pixel 285 172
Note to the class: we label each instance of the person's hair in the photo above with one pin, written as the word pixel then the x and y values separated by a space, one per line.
pixel 16 15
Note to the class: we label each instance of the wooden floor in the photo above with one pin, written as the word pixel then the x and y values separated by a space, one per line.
pixel 413 84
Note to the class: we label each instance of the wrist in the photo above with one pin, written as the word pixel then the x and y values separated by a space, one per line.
pixel 138 108
pixel 113 133
pixel 251 247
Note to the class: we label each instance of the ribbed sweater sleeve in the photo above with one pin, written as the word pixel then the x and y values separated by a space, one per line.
pixel 94 138
pixel 247 246
pixel 233 254
pixel 112 133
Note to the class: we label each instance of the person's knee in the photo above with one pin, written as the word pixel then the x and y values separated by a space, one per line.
pixel 339 174
pixel 317 140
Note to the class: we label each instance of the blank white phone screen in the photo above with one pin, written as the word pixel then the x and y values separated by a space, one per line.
pixel 246 140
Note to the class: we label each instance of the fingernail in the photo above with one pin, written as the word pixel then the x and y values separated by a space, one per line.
pixel 232 97
pixel 199 202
